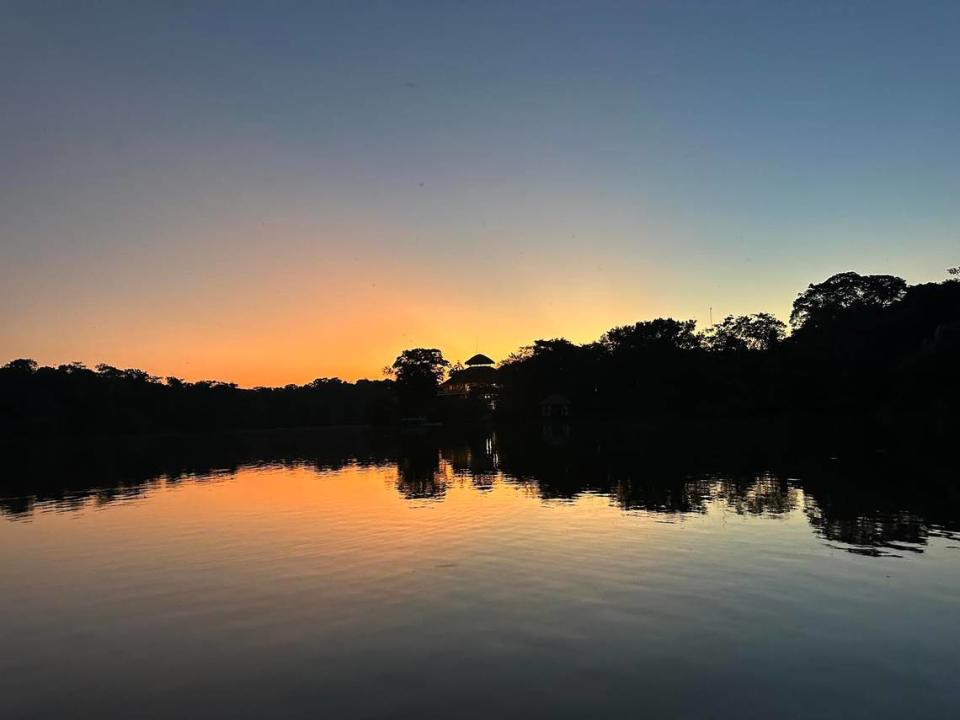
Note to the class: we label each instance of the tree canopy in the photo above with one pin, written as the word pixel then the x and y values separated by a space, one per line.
pixel 821 303
pixel 419 365
pixel 760 331
pixel 418 372
pixel 859 342
pixel 660 334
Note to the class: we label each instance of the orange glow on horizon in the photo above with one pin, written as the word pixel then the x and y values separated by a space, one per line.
pixel 273 319
pixel 276 340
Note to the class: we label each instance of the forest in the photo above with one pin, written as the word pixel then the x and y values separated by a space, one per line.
pixel 855 345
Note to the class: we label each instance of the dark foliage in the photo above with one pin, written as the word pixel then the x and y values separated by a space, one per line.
pixel 761 331
pixel 72 399
pixel 824 303
pixel 418 373
pixel 860 344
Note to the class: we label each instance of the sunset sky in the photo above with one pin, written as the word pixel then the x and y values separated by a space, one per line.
pixel 266 193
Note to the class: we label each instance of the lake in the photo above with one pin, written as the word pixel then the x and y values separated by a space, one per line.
pixel 548 572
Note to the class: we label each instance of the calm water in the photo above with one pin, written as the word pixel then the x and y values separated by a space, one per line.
pixel 541 575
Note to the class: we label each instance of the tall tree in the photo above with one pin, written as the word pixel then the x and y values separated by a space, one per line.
pixel 418 373
pixel 824 302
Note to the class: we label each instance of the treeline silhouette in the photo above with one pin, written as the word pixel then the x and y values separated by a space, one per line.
pixel 73 399
pixel 858 344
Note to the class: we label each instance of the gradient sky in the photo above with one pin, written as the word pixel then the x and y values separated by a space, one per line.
pixel 271 192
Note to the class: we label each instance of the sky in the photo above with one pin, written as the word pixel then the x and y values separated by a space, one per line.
pixel 266 193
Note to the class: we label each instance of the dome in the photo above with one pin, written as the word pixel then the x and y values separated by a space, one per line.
pixel 479 359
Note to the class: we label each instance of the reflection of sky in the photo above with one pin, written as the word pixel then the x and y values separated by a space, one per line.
pixel 285 588
pixel 267 195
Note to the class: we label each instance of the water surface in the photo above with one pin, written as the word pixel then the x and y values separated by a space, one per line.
pixel 485 576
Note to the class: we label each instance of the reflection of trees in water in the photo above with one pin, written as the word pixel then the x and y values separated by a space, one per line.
pixel 761 495
pixel 418 473
pixel 868 507
pixel 102 491
pixel 67 476
pixel 869 534
pixel 765 494
pixel 482 482
pixel 474 458
pixel 427 464
pixel 426 467
pixel 875 513
pixel 659 496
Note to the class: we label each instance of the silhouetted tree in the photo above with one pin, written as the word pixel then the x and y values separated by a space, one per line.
pixel 824 302
pixel 23 366
pixel 757 332
pixel 662 334
pixel 74 367
pixel 418 373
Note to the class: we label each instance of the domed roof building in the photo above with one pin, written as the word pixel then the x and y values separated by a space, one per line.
pixel 479 377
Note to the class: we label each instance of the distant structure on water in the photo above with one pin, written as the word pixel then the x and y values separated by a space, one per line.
pixel 477 379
